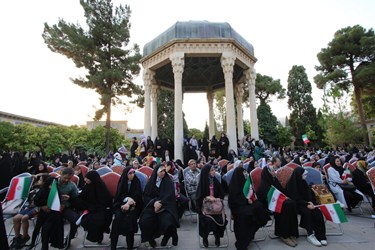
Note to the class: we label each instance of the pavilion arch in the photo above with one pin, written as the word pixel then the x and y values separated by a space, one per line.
pixel 199 56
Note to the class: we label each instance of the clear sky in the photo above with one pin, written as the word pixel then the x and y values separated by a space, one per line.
pixel 35 81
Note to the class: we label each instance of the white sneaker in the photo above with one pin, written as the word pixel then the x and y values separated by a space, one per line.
pixel 373 216
pixel 312 239
pixel 324 242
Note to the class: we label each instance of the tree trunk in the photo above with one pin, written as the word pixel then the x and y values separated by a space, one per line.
pixel 108 128
pixel 358 97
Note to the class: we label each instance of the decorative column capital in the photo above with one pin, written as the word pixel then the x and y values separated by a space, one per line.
pixel 154 92
pixel 227 63
pixel 148 77
pixel 178 63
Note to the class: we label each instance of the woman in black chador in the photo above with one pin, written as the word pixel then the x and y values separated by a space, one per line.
pixel 95 198
pixel 311 217
pixel 248 213
pixel 50 221
pixel 127 207
pixel 210 187
pixel 286 222
pixel 159 217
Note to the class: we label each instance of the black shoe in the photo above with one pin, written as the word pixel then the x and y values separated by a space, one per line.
pixel 164 241
pixel 175 239
pixel 205 242
pixel 152 243
pixel 217 241
pixel 16 241
pixel 67 242
pixel 30 247
pixel 100 240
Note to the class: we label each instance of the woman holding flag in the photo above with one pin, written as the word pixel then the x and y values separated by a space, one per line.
pixel 286 220
pixel 248 213
pixel 49 216
pixel 311 217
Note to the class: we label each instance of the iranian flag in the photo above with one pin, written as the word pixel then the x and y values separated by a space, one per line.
pixel 248 190
pixel 53 201
pixel 305 139
pixel 275 199
pixel 19 188
pixel 333 212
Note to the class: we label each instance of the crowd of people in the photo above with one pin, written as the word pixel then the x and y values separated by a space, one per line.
pixel 156 207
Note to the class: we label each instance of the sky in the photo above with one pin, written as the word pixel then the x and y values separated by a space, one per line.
pixel 35 82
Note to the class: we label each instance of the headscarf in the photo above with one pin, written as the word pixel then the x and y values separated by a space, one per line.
pixel 297 188
pixel 236 163
pixel 236 196
pixel 203 188
pixel 165 193
pixel 96 192
pixel 339 169
pixel 362 165
pixel 134 192
pixel 267 180
pixel 251 166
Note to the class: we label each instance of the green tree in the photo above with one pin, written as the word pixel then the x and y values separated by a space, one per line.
pixel 247 127
pixel 97 136
pixel 103 51
pixel 7 131
pixel 206 132
pixel 220 111
pixel 267 123
pixel 166 115
pixel 342 130
pixel 300 102
pixel 198 134
pixel 348 63
pixel 283 136
pixel 265 87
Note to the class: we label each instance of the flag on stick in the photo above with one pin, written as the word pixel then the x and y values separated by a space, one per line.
pixel 248 190
pixel 275 199
pixel 333 212
pixel 53 201
pixel 305 139
pixel 19 188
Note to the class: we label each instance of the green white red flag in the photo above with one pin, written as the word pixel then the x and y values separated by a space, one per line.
pixel 53 201
pixel 19 188
pixel 333 212
pixel 305 139
pixel 275 200
pixel 248 190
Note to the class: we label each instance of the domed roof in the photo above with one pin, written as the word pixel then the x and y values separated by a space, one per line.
pixel 196 30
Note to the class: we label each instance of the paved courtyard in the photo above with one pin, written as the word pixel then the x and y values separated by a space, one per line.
pixel 359 233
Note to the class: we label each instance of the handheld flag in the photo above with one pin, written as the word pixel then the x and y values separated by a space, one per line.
pixel 305 139
pixel 19 188
pixel 53 201
pixel 275 200
pixel 248 190
pixel 333 212
pixel 78 222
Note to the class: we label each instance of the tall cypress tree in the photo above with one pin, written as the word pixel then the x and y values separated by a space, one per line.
pixel 300 102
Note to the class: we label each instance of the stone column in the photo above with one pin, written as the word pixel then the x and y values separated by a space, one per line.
pixel 239 94
pixel 154 100
pixel 211 119
pixel 250 76
pixel 178 63
pixel 227 63
pixel 148 76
